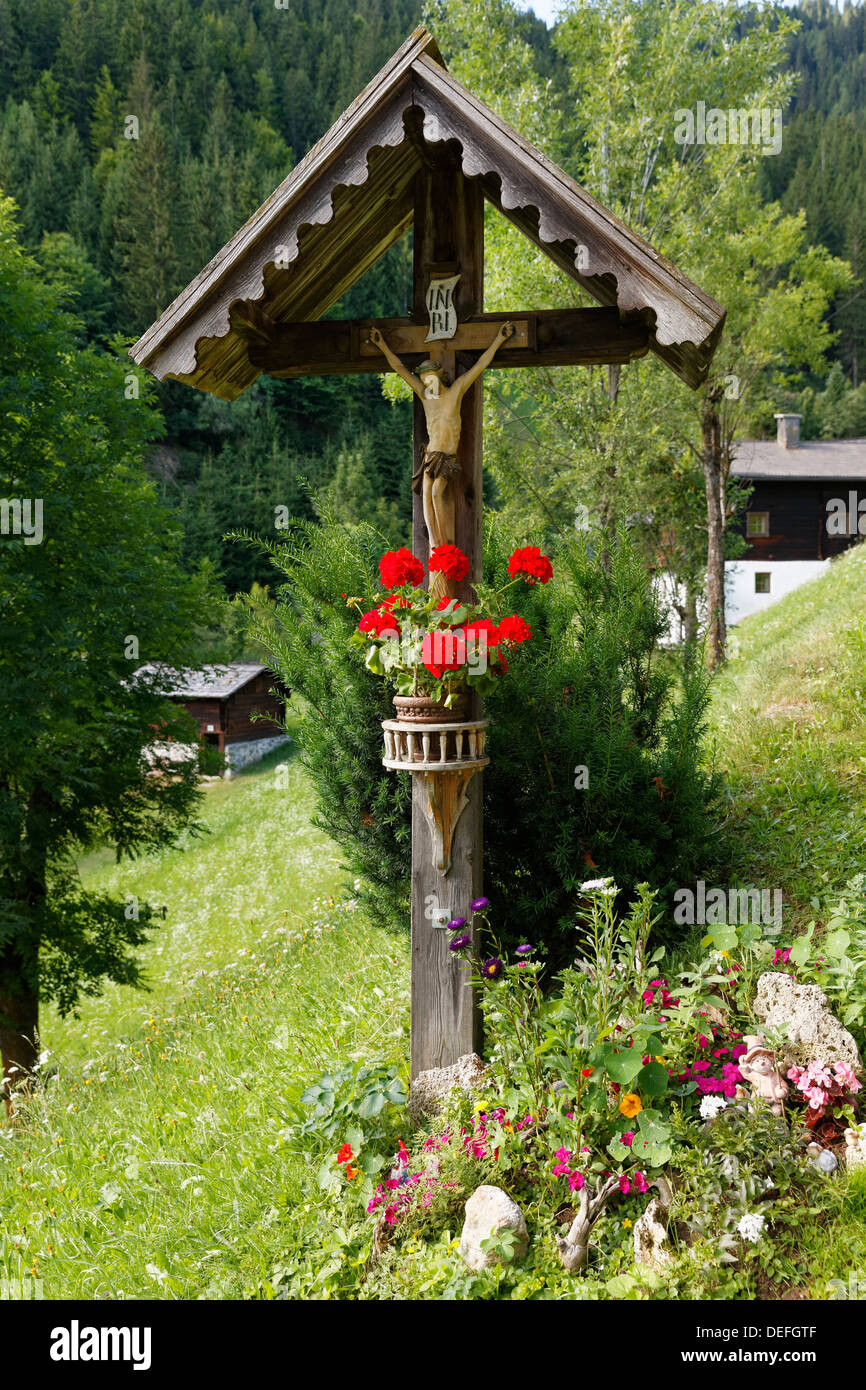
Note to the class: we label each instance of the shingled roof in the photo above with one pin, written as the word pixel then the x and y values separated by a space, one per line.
pixel 207 683
pixel 813 460
pixel 351 198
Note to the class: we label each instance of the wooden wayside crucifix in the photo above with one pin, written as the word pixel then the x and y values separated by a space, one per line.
pixel 417 147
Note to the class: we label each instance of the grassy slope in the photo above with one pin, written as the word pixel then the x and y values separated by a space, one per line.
pixel 790 717
pixel 155 1163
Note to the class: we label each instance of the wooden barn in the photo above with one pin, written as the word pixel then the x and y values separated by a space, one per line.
pixel 223 700
pixel 808 504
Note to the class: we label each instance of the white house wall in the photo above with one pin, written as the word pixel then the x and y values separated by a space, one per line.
pixel 785 576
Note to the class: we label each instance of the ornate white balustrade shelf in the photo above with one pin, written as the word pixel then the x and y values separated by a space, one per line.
pixel 447 756
pixel 419 747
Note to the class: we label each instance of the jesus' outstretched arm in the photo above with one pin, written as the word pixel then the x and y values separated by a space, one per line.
pixel 469 378
pixel 394 362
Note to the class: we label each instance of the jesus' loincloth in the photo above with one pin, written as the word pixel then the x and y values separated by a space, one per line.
pixel 436 465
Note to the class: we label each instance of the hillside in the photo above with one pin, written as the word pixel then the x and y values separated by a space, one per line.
pixel 790 718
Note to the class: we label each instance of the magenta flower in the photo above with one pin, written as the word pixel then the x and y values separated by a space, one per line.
pixel 624 1185
pixel 627 1138
pixel 640 1182
pixel 575 1181
pixel 647 996
pixel 563 1155
pixel 560 1169
pixel 703 1040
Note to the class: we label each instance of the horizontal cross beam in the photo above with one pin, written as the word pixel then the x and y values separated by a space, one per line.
pixel 544 338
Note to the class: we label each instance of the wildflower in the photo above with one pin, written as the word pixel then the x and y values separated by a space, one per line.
pixel 624 1185
pixel 479 905
pixel 627 1138
pixel 492 968
pixel 751 1226
pixel 457 943
pixel 345 1153
pixel 630 1105
pixel 524 949
pixel 627 1223
pixel 598 885
pixel 351 1172
pixel 711 1106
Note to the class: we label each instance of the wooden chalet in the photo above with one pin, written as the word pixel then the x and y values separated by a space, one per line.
pixel 808 504
pixel 223 700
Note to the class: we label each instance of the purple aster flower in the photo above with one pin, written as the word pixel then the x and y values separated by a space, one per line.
pixel 492 968
pixel 524 949
pixel 456 923
pixel 458 942
pixel 479 904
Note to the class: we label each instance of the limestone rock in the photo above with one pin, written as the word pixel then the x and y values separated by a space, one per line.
pixel 650 1231
pixel 813 1030
pixel 430 1088
pixel 489 1211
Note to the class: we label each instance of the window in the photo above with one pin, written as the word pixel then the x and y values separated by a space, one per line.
pixel 762 583
pixel 757 523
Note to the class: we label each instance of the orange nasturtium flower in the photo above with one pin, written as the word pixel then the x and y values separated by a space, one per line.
pixel 351 1172
pixel 630 1105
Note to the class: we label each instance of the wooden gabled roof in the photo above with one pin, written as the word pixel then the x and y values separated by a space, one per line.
pixel 351 198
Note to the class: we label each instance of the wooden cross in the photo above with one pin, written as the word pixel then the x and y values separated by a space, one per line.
pixel 448 236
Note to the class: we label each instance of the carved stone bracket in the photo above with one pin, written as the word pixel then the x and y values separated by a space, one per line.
pixel 447 756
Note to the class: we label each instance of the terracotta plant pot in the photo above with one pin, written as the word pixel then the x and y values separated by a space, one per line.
pixel 420 709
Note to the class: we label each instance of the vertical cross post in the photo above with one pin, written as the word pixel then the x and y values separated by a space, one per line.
pixel 448 230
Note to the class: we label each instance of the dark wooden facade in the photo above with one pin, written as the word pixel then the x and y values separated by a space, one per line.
pixel 797 513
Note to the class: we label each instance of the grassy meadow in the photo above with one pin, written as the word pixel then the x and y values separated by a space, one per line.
pixel 163 1157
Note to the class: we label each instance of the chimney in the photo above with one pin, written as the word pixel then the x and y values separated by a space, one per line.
pixel 788 431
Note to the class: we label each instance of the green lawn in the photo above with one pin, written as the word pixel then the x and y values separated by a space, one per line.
pixel 790 718
pixel 156 1162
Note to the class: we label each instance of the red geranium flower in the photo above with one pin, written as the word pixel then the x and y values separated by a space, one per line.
pixel 514 629
pixel 443 651
pixel 451 561
pixel 400 567
pixel 530 562
pixel 377 622
pixel 484 626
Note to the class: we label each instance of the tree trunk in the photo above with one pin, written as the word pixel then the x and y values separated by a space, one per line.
pixel 19 1024
pixel 714 481
pixel 690 617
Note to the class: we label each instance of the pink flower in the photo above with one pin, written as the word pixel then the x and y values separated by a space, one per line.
pixel 624 1184
pixel 563 1155
pixel 575 1181
pixel 640 1182
pixel 560 1170
pixel 391 1215
pixel 700 1066
pixel 647 996
pixel 703 1040
pixel 627 1138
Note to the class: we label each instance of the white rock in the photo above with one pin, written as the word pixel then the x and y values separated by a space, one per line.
pixel 651 1237
pixel 430 1088
pixel 490 1211
pixel 813 1030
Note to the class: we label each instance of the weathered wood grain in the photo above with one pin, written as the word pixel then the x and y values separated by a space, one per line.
pixel 546 338
pixel 449 226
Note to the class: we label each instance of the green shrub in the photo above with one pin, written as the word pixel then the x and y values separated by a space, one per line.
pixel 587 691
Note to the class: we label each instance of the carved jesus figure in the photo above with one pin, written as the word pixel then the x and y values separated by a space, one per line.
pixel 441 399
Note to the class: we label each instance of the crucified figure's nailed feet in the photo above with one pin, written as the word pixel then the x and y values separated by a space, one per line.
pixel 433 479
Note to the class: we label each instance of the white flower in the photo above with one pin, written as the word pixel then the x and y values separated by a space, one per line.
pixel 750 1226
pixel 599 885
pixel 711 1106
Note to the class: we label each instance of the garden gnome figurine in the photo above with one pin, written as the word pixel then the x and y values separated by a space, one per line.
pixel 433 478
pixel 758 1066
